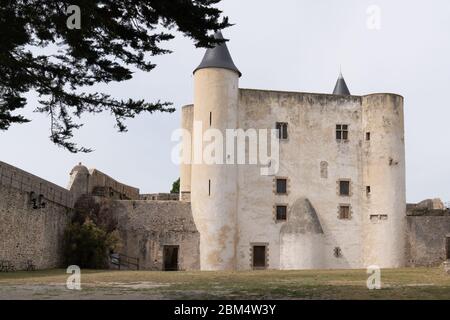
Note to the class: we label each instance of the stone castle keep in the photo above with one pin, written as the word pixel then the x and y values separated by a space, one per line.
pixel 337 200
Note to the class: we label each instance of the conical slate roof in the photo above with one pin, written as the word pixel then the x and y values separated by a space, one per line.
pixel 218 57
pixel 341 87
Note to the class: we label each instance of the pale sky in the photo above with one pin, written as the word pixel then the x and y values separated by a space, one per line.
pixel 288 45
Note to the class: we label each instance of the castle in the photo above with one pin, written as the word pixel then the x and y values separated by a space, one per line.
pixel 336 201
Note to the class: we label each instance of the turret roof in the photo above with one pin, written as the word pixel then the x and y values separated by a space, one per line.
pixel 218 57
pixel 341 87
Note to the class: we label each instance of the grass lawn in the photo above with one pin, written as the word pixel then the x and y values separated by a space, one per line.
pixel 414 283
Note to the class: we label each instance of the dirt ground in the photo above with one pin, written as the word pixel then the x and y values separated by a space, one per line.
pixel 414 283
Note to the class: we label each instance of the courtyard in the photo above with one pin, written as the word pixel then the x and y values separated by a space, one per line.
pixel 411 283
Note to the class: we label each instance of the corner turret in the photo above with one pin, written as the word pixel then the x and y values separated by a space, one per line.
pixel 218 57
pixel 341 88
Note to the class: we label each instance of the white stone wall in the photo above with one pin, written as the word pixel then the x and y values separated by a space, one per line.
pixel 216 92
pixel 384 171
pixel 313 161
pixel 312 120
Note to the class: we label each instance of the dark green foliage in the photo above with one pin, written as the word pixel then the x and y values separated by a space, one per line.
pixel 38 52
pixel 88 246
pixel 91 236
pixel 176 186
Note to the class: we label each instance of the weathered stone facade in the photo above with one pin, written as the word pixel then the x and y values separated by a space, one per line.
pixel 427 234
pixel 146 227
pixel 33 216
pixel 342 160
pixel 326 139
pixel 32 227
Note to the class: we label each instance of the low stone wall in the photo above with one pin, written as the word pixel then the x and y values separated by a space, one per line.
pixel 29 233
pixel 99 179
pixel 145 227
pixel 160 196
pixel 427 231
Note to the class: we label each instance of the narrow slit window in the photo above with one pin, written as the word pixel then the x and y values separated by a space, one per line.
pixel 368 190
pixel 210 119
pixel 209 187
pixel 367 136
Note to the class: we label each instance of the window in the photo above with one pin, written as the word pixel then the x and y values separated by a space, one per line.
pixel 341 132
pixel 281 213
pixel 210 119
pixel 344 188
pixel 209 187
pixel 344 212
pixel 324 169
pixel 367 136
pixel 378 217
pixel 282 128
pixel 259 257
pixel 337 252
pixel 281 186
pixel 368 190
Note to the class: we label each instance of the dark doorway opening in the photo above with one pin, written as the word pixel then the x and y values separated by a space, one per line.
pixel 259 257
pixel 170 257
pixel 447 247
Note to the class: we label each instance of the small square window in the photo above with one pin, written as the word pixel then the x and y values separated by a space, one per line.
pixel 344 212
pixel 281 213
pixel 282 128
pixel 281 186
pixel 342 132
pixel 344 188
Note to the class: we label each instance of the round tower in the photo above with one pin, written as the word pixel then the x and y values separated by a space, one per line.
pixel 79 181
pixel 214 186
pixel 384 216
